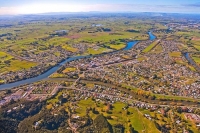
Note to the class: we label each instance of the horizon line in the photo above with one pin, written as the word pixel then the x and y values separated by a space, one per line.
pixel 96 12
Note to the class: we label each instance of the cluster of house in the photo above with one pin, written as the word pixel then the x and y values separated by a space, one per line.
pixel 181 26
pixel 14 108
pixel 104 95
pixel 14 96
pixel 31 92
pixel 45 59
pixel 194 118
pixel 142 45
pixel 44 88
pixel 109 94
pixel 158 73
pixel 97 61
pixel 11 76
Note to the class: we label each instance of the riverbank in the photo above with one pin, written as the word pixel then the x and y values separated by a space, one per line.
pixel 191 61
pixel 50 71
pixel 56 67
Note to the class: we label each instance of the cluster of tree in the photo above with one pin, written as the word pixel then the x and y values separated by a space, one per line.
pixel 34 117
pixel 8 125
pixel 118 128
pixel 13 113
pixel 46 122
pixel 162 128
pixel 101 125
pixel 7 34
pixel 164 30
pixel 5 25
pixel 115 34
pixel 22 111
pixel 7 62
pixel 60 33
pixel 135 31
pixel 106 29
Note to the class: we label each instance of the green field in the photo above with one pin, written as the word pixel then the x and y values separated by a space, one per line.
pixel 158 49
pixel 196 58
pixel 96 51
pixel 35 38
pixel 175 54
pixel 68 48
pixel 117 46
pixel 69 70
pixel 119 115
pixel 151 46
pixel 9 63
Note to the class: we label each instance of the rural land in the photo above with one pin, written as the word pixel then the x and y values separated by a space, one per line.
pixel 100 73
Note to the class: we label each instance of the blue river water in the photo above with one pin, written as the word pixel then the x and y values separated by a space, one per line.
pixel 55 68
pixel 191 61
pixel 151 36
pixel 188 57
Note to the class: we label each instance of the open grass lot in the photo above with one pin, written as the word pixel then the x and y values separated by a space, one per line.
pixel 175 54
pixel 55 75
pixel 68 48
pixel 54 100
pixel 136 119
pixel 118 115
pixel 197 46
pixel 16 65
pixel 96 51
pixel 158 49
pixel 141 58
pixel 69 70
pixel 104 37
pixel 117 46
pixel 196 58
pixel 151 46
pixel 5 56
pixel 9 63
pixel 81 110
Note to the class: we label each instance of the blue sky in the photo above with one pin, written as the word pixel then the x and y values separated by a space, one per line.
pixel 41 6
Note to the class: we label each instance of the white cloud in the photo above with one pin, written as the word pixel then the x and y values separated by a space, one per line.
pixel 8 10
pixel 43 8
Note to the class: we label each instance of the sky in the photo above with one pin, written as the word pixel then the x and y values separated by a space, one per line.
pixel 13 7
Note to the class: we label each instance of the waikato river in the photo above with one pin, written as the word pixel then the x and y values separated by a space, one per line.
pixel 55 68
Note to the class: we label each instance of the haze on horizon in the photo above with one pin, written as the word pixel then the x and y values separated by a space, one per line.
pixel 13 7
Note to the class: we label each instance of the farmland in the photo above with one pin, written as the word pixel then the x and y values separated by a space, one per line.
pixel 37 42
pixel 115 73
